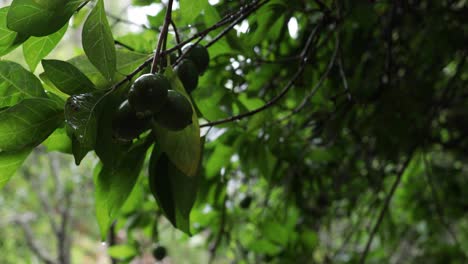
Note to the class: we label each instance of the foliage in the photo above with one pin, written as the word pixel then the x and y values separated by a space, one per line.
pixel 322 131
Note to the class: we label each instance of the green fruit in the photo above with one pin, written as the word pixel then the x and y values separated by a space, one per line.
pixel 199 55
pixel 188 74
pixel 176 113
pixel 159 253
pixel 126 125
pixel 148 94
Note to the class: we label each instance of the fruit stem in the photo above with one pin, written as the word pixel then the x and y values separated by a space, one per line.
pixel 162 37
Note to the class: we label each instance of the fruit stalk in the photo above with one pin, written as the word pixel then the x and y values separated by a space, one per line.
pixel 162 37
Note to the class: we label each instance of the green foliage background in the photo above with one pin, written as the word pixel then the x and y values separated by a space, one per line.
pixel 346 131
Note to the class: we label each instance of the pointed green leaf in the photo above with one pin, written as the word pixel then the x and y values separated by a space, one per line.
pixel 17 83
pixel 81 116
pixel 218 159
pixel 9 39
pixel 174 191
pixel 113 185
pixel 10 162
pixel 36 48
pixel 182 147
pixel 191 9
pixel 66 77
pixel 123 252
pixel 98 42
pixel 28 123
pixel 40 17
pixel 127 61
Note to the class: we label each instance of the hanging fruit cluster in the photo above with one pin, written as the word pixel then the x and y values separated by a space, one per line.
pixel 151 98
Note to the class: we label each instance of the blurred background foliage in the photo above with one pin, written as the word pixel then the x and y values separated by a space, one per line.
pixel 382 98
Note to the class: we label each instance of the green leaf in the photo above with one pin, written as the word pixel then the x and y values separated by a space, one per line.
pixel 36 48
pixel 58 141
pixel 269 21
pixel 16 83
pixel 109 150
pixel 122 252
pixel 309 238
pixel 98 42
pixel 28 123
pixel 9 39
pixel 113 185
pixel 276 232
pixel 10 162
pixel 191 9
pixel 127 61
pixel 81 116
pixel 40 17
pixel 174 191
pixel 182 147
pixel 219 158
pixel 66 77
pixel 264 247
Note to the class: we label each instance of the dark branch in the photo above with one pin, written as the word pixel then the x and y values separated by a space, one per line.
pixel 384 209
pixel 32 243
pixel 217 241
pixel 283 92
pixel 162 37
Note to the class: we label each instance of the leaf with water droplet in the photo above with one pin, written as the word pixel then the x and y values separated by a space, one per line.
pixel 81 115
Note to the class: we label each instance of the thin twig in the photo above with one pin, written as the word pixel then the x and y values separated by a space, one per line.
pixel 37 184
pixel 343 78
pixel 320 81
pixel 439 208
pixel 81 6
pixel 128 22
pixel 222 22
pixel 116 42
pixel 177 36
pixel 63 237
pixel 236 21
pixel 41 253
pixel 220 234
pixel 384 209
pixel 281 94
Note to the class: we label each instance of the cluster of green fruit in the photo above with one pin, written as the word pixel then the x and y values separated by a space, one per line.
pixel 194 64
pixel 152 99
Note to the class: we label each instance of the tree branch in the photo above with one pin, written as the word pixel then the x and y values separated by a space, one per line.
pixel 384 209
pixel 37 185
pixel 319 83
pixel 303 62
pixel 227 19
pixel 216 243
pixel 439 208
pixel 32 243
pixel 81 6
pixel 162 37
pixel 177 36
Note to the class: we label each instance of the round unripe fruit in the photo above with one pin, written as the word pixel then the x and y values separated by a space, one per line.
pixel 159 253
pixel 176 113
pixel 126 125
pixel 148 94
pixel 199 55
pixel 188 74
